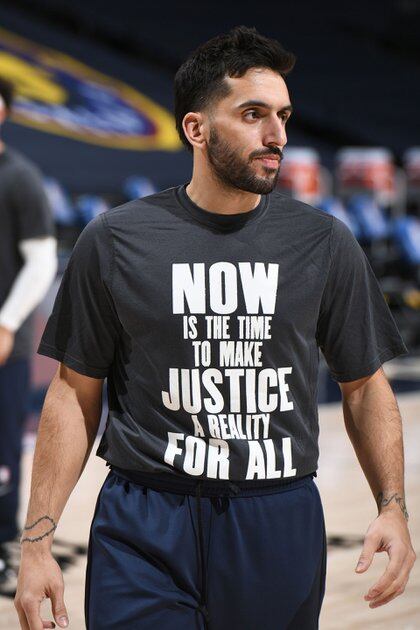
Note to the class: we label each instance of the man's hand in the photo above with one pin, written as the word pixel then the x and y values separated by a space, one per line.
pixel 7 340
pixel 39 577
pixel 388 532
pixel 66 433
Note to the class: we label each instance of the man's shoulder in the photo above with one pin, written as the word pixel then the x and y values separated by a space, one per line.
pixel 131 217
pixel 296 208
pixel 142 209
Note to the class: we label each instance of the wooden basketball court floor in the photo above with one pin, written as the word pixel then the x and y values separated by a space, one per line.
pixel 348 506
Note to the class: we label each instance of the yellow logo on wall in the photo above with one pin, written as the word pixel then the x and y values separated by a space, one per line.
pixel 58 94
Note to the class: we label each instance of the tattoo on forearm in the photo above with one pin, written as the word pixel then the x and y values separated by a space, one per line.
pixel 36 538
pixel 382 501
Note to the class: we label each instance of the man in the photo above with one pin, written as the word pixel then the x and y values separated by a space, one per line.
pixel 28 265
pixel 204 306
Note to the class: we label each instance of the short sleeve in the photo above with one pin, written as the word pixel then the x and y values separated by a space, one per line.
pixel 83 328
pixel 356 331
pixel 33 213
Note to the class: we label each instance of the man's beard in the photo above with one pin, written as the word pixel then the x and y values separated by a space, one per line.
pixel 235 172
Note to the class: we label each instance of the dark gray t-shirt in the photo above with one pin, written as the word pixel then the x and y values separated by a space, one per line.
pixel 24 213
pixel 208 328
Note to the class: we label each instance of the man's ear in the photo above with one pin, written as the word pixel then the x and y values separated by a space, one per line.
pixel 193 126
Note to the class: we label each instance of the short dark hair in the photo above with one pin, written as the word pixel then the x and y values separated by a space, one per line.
pixel 199 81
pixel 7 92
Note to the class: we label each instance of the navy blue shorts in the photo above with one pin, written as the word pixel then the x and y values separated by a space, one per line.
pixel 168 560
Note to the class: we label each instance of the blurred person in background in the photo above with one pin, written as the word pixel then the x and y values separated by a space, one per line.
pixel 209 516
pixel 28 264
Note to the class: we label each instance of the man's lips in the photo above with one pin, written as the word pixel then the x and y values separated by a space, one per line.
pixel 272 161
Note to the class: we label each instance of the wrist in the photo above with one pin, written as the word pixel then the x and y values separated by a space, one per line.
pixel 36 537
pixel 40 548
pixel 393 503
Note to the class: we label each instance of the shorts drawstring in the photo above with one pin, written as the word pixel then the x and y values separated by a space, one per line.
pixel 232 489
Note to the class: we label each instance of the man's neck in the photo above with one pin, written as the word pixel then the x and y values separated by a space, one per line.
pixel 212 195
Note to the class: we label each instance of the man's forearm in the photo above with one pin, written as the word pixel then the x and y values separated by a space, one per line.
pixel 373 423
pixel 66 434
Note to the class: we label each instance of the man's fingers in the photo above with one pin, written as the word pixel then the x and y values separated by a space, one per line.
pixel 370 546
pixel 392 573
pixel 58 606
pixel 31 608
pixel 396 588
pixel 22 618
pixel 30 616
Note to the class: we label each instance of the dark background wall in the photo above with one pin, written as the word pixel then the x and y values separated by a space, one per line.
pixel 356 81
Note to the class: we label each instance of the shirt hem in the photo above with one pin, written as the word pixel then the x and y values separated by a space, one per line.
pixel 210 487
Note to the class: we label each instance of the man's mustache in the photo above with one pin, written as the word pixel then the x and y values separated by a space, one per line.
pixel 273 151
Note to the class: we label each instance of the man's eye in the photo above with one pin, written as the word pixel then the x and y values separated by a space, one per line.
pixel 252 114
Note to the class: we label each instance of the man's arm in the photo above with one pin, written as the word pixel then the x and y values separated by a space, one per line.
pixel 67 430
pixel 374 425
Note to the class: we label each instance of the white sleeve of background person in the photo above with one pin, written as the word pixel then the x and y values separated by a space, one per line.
pixel 32 282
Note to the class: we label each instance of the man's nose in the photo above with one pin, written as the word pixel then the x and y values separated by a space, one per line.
pixel 276 134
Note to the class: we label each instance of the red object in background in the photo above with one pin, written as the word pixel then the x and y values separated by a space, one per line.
pixel 361 169
pixel 300 174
